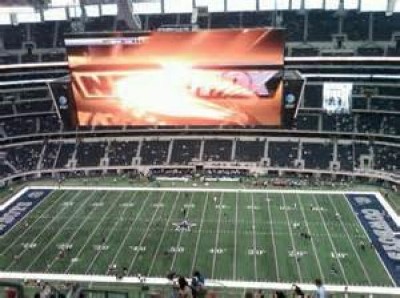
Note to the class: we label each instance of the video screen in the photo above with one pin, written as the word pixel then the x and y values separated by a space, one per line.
pixel 337 98
pixel 219 77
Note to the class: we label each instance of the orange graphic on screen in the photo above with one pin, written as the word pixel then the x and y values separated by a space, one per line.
pixel 194 78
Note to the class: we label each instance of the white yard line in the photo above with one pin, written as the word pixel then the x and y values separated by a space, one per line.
pixel 292 239
pixel 217 235
pixel 130 228
pixel 180 238
pixel 89 238
pixel 351 243
pixel 312 238
pixel 145 233
pixel 366 235
pixel 76 231
pixel 41 216
pixel 60 230
pixel 199 189
pixel 331 241
pixel 273 240
pixel 196 248
pixel 42 231
pixel 110 233
pixel 235 239
pixel 166 227
pixel 253 217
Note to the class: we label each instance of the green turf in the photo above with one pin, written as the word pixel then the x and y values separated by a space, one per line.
pixel 241 236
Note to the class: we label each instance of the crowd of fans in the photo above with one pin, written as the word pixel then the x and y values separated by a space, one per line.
pixel 315 154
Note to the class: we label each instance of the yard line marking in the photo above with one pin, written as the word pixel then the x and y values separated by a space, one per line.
pixel 351 242
pixel 235 239
pixel 312 239
pixel 103 217
pixel 33 223
pixel 217 236
pixel 74 234
pixel 131 227
pixel 196 248
pixel 253 216
pixel 330 240
pixel 42 231
pixel 367 236
pixel 292 239
pixel 163 234
pixel 273 239
pixel 180 237
pixel 110 233
pixel 58 232
pixel 146 232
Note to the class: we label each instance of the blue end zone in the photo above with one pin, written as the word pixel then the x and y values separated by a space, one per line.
pixel 20 207
pixel 381 229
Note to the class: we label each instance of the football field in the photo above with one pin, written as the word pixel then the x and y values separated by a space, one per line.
pixel 265 236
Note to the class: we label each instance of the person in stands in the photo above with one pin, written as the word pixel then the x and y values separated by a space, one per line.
pixel 320 291
pixel 198 281
pixel 184 290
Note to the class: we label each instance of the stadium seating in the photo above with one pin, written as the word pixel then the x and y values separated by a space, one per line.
pixel 154 152
pixel 65 154
pixel 283 154
pixel 345 156
pixel 24 158
pixel 217 150
pixel 50 155
pixel 89 153
pixel 249 151
pixel 317 155
pixel 121 153
pixel 185 151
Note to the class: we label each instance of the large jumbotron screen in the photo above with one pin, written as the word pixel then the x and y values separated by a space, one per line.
pixel 219 77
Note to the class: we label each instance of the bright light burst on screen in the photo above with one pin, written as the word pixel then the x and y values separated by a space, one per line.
pixel 142 92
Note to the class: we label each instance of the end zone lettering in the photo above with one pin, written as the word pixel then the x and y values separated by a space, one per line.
pixel 381 229
pixel 385 234
pixel 21 206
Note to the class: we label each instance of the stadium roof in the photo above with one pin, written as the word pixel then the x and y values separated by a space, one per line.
pixel 24 12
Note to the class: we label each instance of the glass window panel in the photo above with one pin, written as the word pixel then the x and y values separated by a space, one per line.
pixel 178 6
pixel 373 5
pixel 55 14
pixel 313 4
pixel 274 4
pixel 147 7
pixel 332 4
pixel 213 5
pixel 28 17
pixel 397 6
pixel 74 12
pixel 296 4
pixel 242 5
pixel 109 9
pixel 351 4
pixel 5 19
pixel 92 10
pixel 56 3
pixel 17 9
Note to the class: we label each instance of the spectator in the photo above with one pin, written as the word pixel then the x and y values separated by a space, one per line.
pixel 297 292
pixel 259 294
pixel 320 292
pixel 184 290
pixel 198 287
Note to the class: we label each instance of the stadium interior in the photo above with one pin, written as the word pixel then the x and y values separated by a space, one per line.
pixel 326 41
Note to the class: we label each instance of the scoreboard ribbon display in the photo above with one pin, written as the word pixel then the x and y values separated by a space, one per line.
pixel 221 77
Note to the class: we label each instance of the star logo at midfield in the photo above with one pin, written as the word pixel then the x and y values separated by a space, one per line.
pixel 184 226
